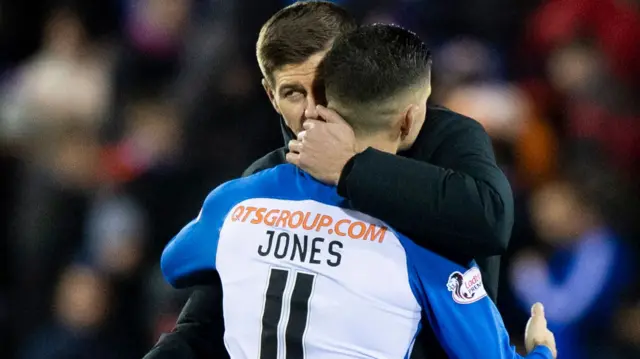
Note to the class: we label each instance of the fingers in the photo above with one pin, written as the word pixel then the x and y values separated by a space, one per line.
pixel 293 158
pixel 308 124
pixel 330 115
pixel 295 146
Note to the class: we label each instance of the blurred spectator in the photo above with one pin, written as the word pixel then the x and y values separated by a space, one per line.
pixel 468 82
pixel 116 234
pixel 582 275
pixel 593 63
pixel 462 61
pixel 151 140
pixel 79 327
pixel 599 106
pixel 614 25
pixel 48 218
pixel 155 27
pixel 65 84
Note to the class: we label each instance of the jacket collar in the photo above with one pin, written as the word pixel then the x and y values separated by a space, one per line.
pixel 286 132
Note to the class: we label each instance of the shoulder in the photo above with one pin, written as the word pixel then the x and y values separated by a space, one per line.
pixel 447 133
pixel 450 134
pixel 429 271
pixel 271 159
pixel 443 122
pixel 266 182
pixel 426 261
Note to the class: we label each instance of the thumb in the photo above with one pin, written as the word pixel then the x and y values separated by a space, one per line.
pixel 537 310
pixel 537 316
pixel 329 115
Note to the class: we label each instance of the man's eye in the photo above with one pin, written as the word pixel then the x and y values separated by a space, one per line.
pixel 293 94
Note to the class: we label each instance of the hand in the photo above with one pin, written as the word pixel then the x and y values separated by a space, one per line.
pixel 536 332
pixel 324 147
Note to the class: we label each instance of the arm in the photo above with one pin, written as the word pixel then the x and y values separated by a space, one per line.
pixel 199 330
pixel 465 330
pixel 189 258
pixel 463 318
pixel 460 201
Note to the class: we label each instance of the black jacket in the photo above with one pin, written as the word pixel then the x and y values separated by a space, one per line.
pixel 446 193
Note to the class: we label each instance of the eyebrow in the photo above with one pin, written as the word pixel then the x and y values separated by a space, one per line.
pixel 292 86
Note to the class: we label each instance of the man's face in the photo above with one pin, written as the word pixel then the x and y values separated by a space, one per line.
pixel 295 90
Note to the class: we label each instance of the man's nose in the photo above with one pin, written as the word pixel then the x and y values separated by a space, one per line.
pixel 310 111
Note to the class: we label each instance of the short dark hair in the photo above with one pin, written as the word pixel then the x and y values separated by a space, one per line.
pixel 374 63
pixel 299 31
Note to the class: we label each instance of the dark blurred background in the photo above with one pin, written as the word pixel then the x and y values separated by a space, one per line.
pixel 118 117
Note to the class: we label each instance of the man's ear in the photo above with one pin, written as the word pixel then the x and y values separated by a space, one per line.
pixel 271 94
pixel 409 119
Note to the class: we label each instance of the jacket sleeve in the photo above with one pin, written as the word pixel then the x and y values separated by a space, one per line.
pixel 460 201
pixel 199 330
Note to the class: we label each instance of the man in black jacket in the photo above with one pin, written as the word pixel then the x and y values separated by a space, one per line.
pixel 444 190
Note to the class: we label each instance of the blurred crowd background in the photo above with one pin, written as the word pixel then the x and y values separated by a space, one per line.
pixel 117 118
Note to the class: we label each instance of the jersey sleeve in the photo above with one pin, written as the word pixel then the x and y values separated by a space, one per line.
pixel 465 321
pixel 190 257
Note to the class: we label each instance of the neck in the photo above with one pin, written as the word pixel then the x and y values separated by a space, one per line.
pixel 379 142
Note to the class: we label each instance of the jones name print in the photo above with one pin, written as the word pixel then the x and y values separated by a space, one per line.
pixel 301 248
